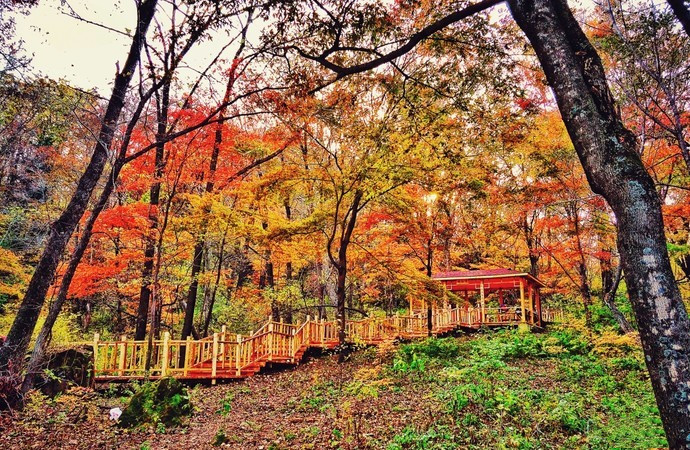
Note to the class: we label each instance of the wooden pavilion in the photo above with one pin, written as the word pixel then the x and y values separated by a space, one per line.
pixel 501 296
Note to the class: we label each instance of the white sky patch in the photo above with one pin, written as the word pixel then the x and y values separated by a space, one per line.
pixel 85 54
pixel 66 48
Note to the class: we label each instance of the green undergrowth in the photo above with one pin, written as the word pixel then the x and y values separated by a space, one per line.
pixel 163 403
pixel 558 389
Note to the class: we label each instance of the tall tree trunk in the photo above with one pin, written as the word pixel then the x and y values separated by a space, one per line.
pixel 14 349
pixel 208 307
pixel 340 295
pixel 288 265
pixel 341 266
pixel 429 270
pixel 269 278
pixel 532 245
pixel 606 271
pixel 584 287
pixel 607 151
pixel 146 292
pixel 193 290
pixel 44 336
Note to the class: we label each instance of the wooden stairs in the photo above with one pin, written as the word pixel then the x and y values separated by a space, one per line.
pixel 231 356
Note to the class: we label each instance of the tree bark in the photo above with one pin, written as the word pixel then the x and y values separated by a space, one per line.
pixel 341 266
pixel 607 151
pixel 146 293
pixel 15 346
pixel 429 270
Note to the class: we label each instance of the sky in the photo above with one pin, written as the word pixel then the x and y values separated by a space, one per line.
pixel 84 54
pixel 81 53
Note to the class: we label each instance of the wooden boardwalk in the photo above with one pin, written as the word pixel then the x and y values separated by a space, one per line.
pixel 226 356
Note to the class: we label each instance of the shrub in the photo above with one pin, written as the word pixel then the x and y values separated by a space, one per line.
pixel 616 345
pixel 437 437
pixel 446 348
pixel 160 403
pixel 220 438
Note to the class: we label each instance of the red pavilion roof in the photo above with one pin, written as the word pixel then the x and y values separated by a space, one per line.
pixel 463 279
pixel 477 273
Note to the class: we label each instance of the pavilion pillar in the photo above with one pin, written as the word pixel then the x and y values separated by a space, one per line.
pixel 537 299
pixel 500 298
pixel 481 299
pixel 530 296
pixel 522 299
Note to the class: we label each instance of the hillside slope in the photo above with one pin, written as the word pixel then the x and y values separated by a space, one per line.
pixel 490 390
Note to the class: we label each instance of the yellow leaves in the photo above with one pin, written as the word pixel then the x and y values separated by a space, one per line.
pixel 13 275
pixel 615 345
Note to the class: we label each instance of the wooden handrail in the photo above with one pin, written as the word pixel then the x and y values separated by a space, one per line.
pixel 235 356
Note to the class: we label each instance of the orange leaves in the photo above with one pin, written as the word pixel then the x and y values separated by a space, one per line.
pixel 599 28
pixel 93 278
pixel 123 218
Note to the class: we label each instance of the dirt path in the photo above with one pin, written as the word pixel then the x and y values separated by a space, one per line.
pixel 320 404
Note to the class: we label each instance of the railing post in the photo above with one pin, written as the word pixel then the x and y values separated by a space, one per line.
pixel 164 363
pixel 187 355
pixel 270 341
pixel 238 355
pixel 123 354
pixel 96 336
pixel 307 326
pixel 222 345
pixel 214 358
pixel 322 332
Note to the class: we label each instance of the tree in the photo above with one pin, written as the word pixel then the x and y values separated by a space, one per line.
pixel 14 347
pixel 650 68
pixel 607 151
pixel 182 38
pixel 10 48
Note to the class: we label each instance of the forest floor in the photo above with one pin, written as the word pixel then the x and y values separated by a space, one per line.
pixel 495 389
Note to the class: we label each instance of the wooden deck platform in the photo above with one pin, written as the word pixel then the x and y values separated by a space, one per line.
pixel 229 356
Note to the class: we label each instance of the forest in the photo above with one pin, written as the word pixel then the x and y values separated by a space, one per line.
pixel 247 234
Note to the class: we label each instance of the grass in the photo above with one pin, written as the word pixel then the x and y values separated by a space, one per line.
pixel 494 389
pixel 557 389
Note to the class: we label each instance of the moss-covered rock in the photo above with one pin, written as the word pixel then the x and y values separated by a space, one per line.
pixel 163 402
pixel 64 369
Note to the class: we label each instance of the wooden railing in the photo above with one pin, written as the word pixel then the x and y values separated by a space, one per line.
pixel 551 315
pixel 225 355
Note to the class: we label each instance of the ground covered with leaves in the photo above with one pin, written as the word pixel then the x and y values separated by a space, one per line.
pixel 496 389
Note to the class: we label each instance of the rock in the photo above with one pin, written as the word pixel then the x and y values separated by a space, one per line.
pixel 160 402
pixel 64 369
